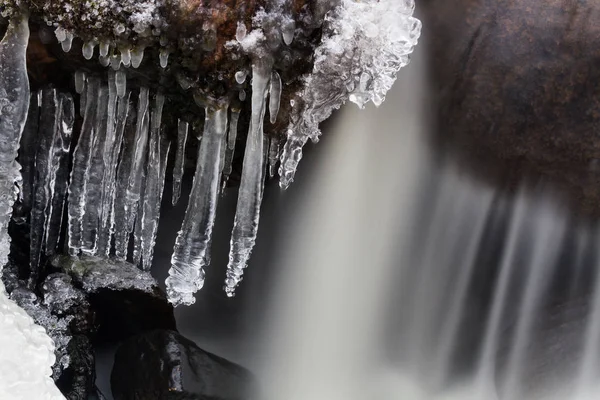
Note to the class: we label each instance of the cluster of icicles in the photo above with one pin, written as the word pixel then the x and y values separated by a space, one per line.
pixel 107 191
pixel 115 57
pixel 114 188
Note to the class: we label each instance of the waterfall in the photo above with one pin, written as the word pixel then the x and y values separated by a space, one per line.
pixel 403 277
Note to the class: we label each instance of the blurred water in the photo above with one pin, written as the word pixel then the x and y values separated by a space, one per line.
pixel 405 278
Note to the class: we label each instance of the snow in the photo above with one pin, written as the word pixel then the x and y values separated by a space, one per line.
pixel 27 355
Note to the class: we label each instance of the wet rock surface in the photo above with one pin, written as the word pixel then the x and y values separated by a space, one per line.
pixel 65 313
pixel 126 300
pixel 163 364
pixel 514 81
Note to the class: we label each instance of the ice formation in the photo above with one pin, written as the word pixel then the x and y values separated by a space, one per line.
pixel 364 45
pixel 192 246
pixel 245 226
pixel 113 182
pixel 28 353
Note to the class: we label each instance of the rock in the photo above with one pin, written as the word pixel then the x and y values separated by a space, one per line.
pixel 165 365
pixel 126 300
pixel 513 81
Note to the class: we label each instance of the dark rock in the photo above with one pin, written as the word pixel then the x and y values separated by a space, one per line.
pixel 513 84
pixel 165 365
pixel 126 300
pixel 77 382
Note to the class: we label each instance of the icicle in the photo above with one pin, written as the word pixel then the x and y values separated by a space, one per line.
pixel 80 170
pixel 115 61
pixel 108 193
pixel 61 34
pixel 14 103
pixel 290 157
pixel 137 56
pixel 287 32
pixel 274 96
pixel 104 48
pixel 68 42
pixel 163 56
pixel 231 139
pixel 190 254
pixel 94 184
pixel 240 32
pixel 126 56
pixel 104 61
pixel 129 184
pixel 79 81
pixel 88 49
pixel 150 207
pixel 102 171
pixel 27 150
pixel 274 154
pixel 247 215
pixel 178 169
pixel 60 171
pixel 43 187
pixel 121 82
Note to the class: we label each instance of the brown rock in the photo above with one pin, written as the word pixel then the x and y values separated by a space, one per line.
pixel 516 85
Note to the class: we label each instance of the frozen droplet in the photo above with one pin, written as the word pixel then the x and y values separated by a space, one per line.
pixel 287 32
pixel 240 77
pixel 67 43
pixel 88 49
pixel 163 55
pixel 242 95
pixel 61 34
pixel 104 47
pixel 126 56
pixel 104 61
pixel 240 32
pixel 137 56
pixel 79 81
pixel 119 29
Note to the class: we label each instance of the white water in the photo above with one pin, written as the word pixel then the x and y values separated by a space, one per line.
pixel 403 278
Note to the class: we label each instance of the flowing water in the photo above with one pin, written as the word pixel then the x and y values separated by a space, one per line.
pixel 405 278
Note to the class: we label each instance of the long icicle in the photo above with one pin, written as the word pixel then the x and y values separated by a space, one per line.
pixel 231 139
pixel 190 254
pixel 14 104
pixel 93 189
pixel 60 165
pixel 80 170
pixel 106 167
pixel 27 150
pixel 43 178
pixel 150 207
pixel 182 133
pixel 130 178
pixel 109 194
pixel 245 226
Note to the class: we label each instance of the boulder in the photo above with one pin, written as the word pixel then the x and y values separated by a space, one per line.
pixel 163 364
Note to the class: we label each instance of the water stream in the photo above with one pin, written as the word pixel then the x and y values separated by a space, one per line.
pixel 405 278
